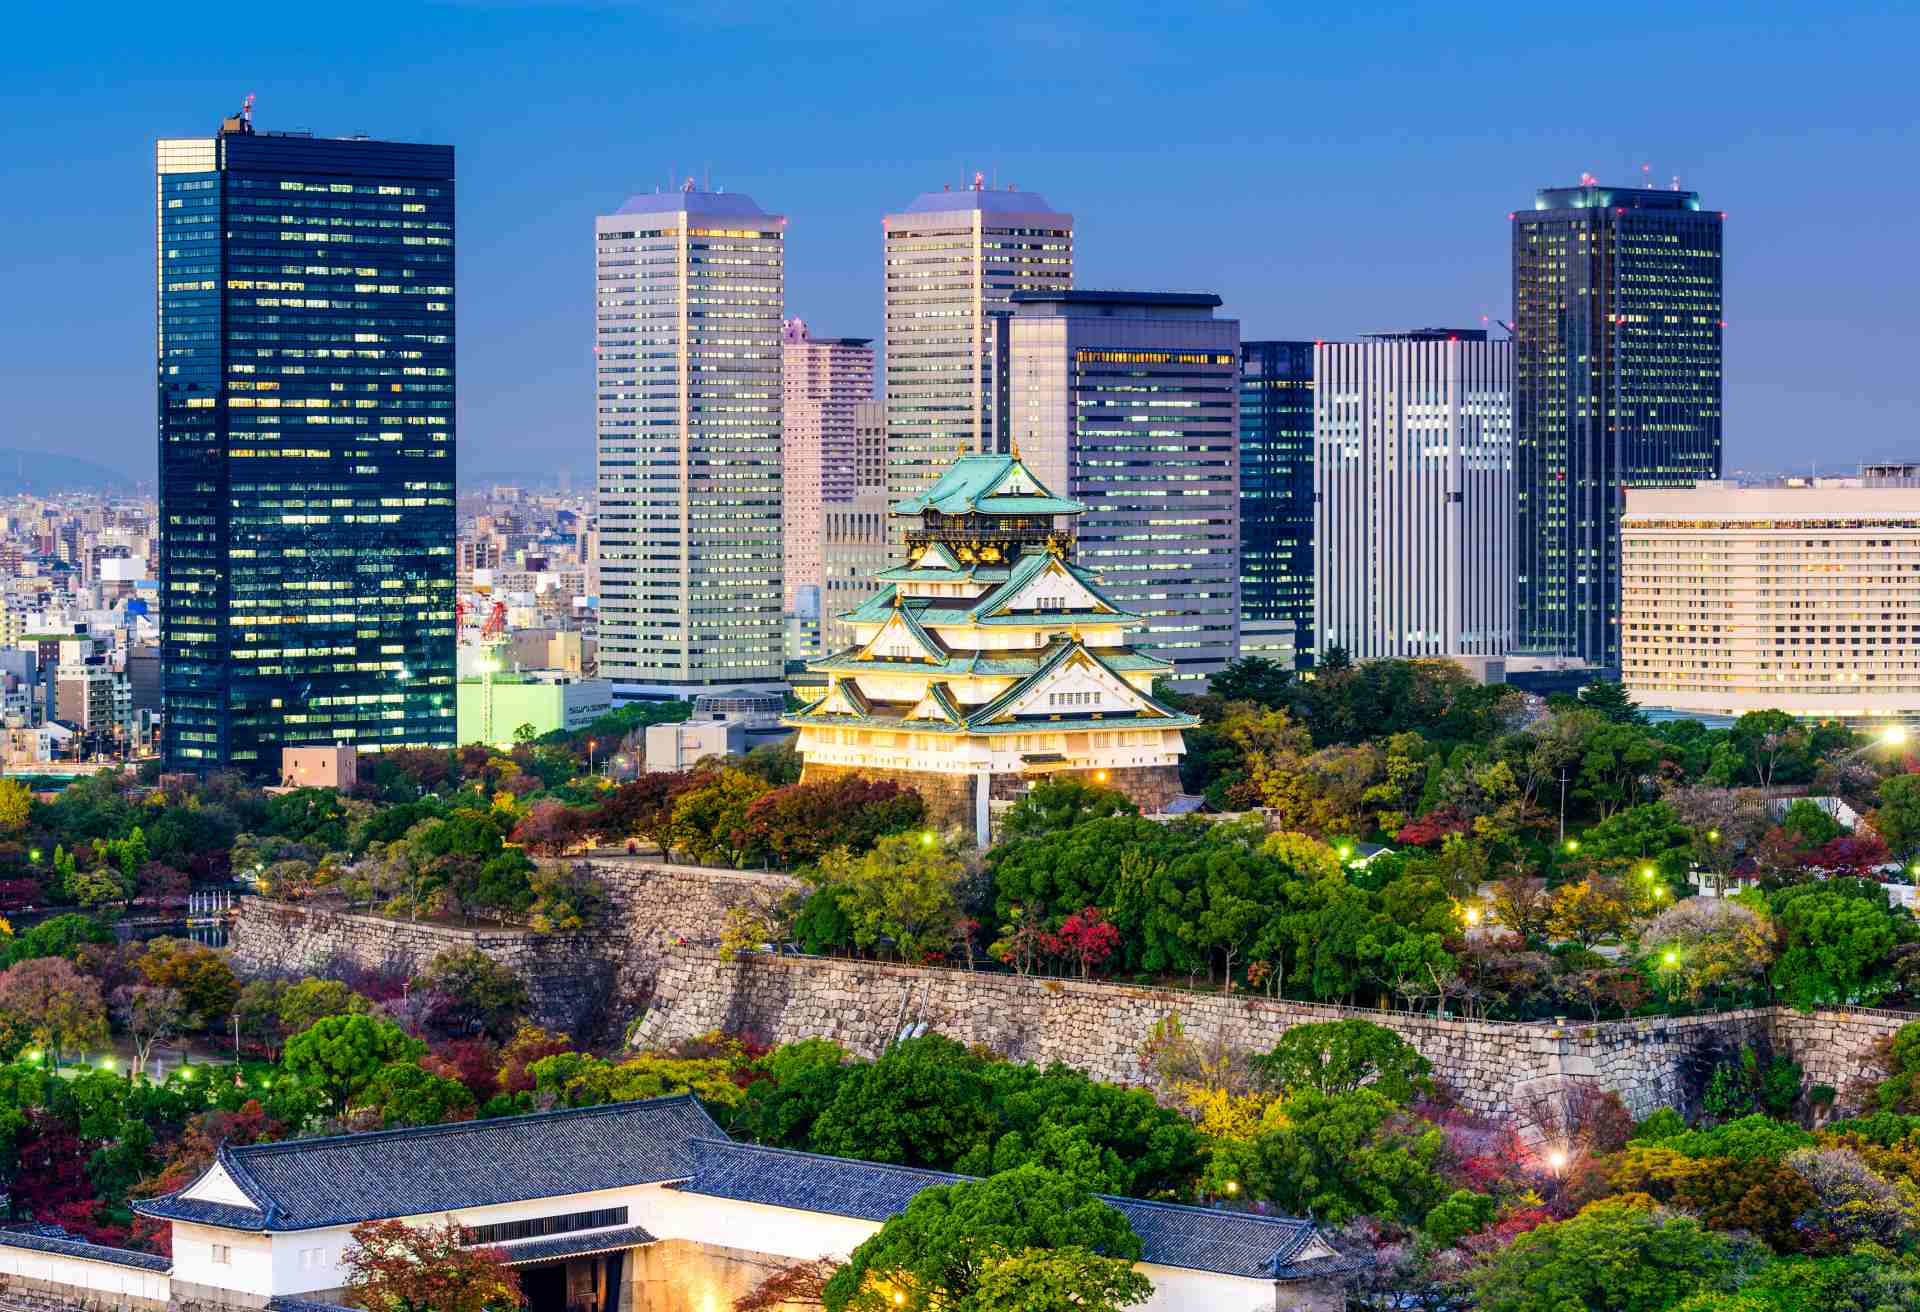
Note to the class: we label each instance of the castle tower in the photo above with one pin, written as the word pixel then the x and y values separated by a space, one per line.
pixel 990 660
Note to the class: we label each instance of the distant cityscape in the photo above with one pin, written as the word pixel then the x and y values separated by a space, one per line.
pixel 1502 495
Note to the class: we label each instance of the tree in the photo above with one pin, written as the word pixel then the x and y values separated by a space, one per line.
pixel 1856 1205
pixel 396 1267
pixel 49 1003
pixel 643 808
pixel 1061 802
pixel 798 824
pixel 566 896
pixel 550 828
pixel 1897 818
pixel 473 993
pixel 1345 1155
pixel 149 1016
pixel 16 804
pixel 1523 904
pixel 1342 1055
pixel 924 1103
pixel 1253 679
pixel 1069 1279
pixel 802 1285
pixel 710 817
pixel 1709 948
pixel 1610 700
pixel 938 1253
pixel 340 1055
pixel 1084 938
pixel 1613 1256
pixel 1835 937
pixel 905 892
pixel 406 1094
pixel 199 974
pixel 314 1000
pixel 1589 910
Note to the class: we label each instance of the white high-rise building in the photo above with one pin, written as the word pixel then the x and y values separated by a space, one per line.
pixel 854 549
pixel 1129 402
pixel 687 381
pixel 824 380
pixel 953 257
pixel 1414 495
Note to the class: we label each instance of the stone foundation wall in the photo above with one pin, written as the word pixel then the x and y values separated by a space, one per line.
pixel 950 800
pixel 587 983
pixel 948 797
pixel 1494 1068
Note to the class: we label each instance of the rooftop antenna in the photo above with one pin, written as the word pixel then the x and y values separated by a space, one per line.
pixel 246 109
pixel 1676 182
pixel 1646 175
pixel 687 186
pixel 1588 180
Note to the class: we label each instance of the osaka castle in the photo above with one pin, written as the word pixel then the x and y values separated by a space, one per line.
pixel 990 660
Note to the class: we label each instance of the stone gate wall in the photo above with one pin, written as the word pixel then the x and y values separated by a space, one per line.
pixel 1495 1068
pixel 587 982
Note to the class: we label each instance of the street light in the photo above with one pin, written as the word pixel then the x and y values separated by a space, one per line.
pixel 1646 872
pixel 1894 735
pixel 591 744
pixel 1573 845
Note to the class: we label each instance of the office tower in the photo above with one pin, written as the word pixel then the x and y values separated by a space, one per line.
pixel 1129 402
pixel 1800 596
pixel 305 397
pixel 1616 335
pixel 687 339
pixel 952 257
pixel 1413 495
pixel 822 380
pixel 855 536
pixel 1276 496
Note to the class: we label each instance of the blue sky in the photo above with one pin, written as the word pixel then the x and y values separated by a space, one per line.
pixel 1329 172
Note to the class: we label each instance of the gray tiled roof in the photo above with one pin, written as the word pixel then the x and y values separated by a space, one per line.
pixel 51 1239
pixel 1171 1234
pixel 284 1304
pixel 300 1184
pixel 575 1245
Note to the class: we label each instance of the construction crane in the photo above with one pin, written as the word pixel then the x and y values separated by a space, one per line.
pixel 496 625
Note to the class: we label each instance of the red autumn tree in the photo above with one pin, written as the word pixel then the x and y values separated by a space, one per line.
pixel 1085 938
pixel 801 1285
pixel 395 1267
pixel 800 823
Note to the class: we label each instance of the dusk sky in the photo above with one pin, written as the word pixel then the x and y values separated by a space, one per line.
pixel 1327 172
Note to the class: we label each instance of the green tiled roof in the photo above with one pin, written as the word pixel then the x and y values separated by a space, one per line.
pixel 943 610
pixel 967 487
pixel 966 574
pixel 986 665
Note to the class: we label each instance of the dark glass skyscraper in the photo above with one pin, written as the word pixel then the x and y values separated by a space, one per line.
pixel 1276 488
pixel 306 376
pixel 1617 331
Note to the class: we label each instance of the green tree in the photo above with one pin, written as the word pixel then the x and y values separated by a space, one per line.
pixel 710 817
pixel 1346 1155
pixel 938 1252
pixel 1459 1214
pixel 905 892
pixel 474 994
pixel 1612 1257
pixel 340 1055
pixel 1061 802
pixel 926 1102
pixel 404 1094
pixel 1070 1279
pixel 1897 818
pixel 1343 1055
pixel 313 1000
pixel 1610 699
pixel 1834 941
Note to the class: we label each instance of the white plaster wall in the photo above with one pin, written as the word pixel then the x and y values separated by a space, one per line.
pixel 1176 1289
pixel 250 1272
pixel 778 1231
pixel 84 1273
pixel 216 1186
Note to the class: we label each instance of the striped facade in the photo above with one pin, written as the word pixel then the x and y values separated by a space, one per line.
pixel 1413 496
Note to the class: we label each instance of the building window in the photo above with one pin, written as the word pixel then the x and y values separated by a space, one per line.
pixel 222 1255
pixel 505 1231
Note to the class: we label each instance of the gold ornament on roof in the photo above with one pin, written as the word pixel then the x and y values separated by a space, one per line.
pixel 966 554
pixel 990 554
pixel 1056 546
pixel 913 557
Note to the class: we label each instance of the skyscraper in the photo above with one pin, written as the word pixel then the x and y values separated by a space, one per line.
pixel 305 370
pixel 687 374
pixel 1413 504
pixel 823 380
pixel 1617 338
pixel 1276 492
pixel 952 257
pixel 1129 403
pixel 855 535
